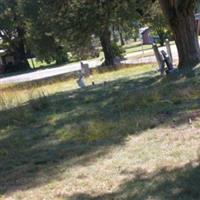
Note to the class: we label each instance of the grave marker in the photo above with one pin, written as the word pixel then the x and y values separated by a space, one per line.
pixel 159 59
pixel 85 70
pixel 169 52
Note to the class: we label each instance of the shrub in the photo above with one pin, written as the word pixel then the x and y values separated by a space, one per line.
pixel 118 51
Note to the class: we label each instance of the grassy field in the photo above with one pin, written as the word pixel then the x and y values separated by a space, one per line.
pixel 35 64
pixel 136 47
pixel 134 135
pixel 131 47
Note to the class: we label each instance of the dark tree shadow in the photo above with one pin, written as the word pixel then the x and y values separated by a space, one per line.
pixel 76 127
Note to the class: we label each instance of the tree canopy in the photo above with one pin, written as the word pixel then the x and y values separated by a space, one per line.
pixel 13 31
pixel 74 23
pixel 50 29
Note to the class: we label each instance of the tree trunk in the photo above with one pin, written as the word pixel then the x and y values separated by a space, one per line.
pixel 186 39
pixel 21 61
pixel 105 39
pixel 182 23
pixel 121 38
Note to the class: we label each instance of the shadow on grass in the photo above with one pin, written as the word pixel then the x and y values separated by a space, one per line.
pixel 176 184
pixel 76 128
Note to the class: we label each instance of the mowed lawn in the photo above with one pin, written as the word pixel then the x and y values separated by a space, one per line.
pixel 136 47
pixel 134 135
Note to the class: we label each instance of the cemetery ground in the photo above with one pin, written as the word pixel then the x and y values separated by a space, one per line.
pixel 134 135
pixel 133 47
pixel 129 48
pixel 139 57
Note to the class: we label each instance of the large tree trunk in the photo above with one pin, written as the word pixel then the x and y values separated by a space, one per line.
pixel 180 15
pixel 185 34
pixel 21 61
pixel 105 39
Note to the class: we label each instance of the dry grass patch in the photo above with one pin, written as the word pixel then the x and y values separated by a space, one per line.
pixel 15 95
pixel 131 138
pixel 159 164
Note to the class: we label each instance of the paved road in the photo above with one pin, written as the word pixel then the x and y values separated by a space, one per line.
pixel 46 73
pixel 134 58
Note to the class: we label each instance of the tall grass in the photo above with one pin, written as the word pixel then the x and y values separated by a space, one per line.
pixel 20 109
pixel 133 121
pixel 11 99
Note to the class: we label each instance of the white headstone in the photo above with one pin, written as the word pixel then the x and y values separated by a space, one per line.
pixel 85 70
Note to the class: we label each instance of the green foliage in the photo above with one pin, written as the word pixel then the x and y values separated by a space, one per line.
pixel 135 30
pixel 45 45
pixel 75 24
pixel 155 19
pixel 13 31
pixel 118 51
pixel 51 29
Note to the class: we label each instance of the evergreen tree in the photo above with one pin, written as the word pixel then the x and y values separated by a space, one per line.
pixel 13 31
pixel 157 22
pixel 75 22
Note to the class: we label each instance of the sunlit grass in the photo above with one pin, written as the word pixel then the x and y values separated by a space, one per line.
pixel 35 63
pixel 14 95
pixel 136 47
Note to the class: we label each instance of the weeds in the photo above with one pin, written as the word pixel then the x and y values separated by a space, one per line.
pixel 38 101
pixel 56 143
